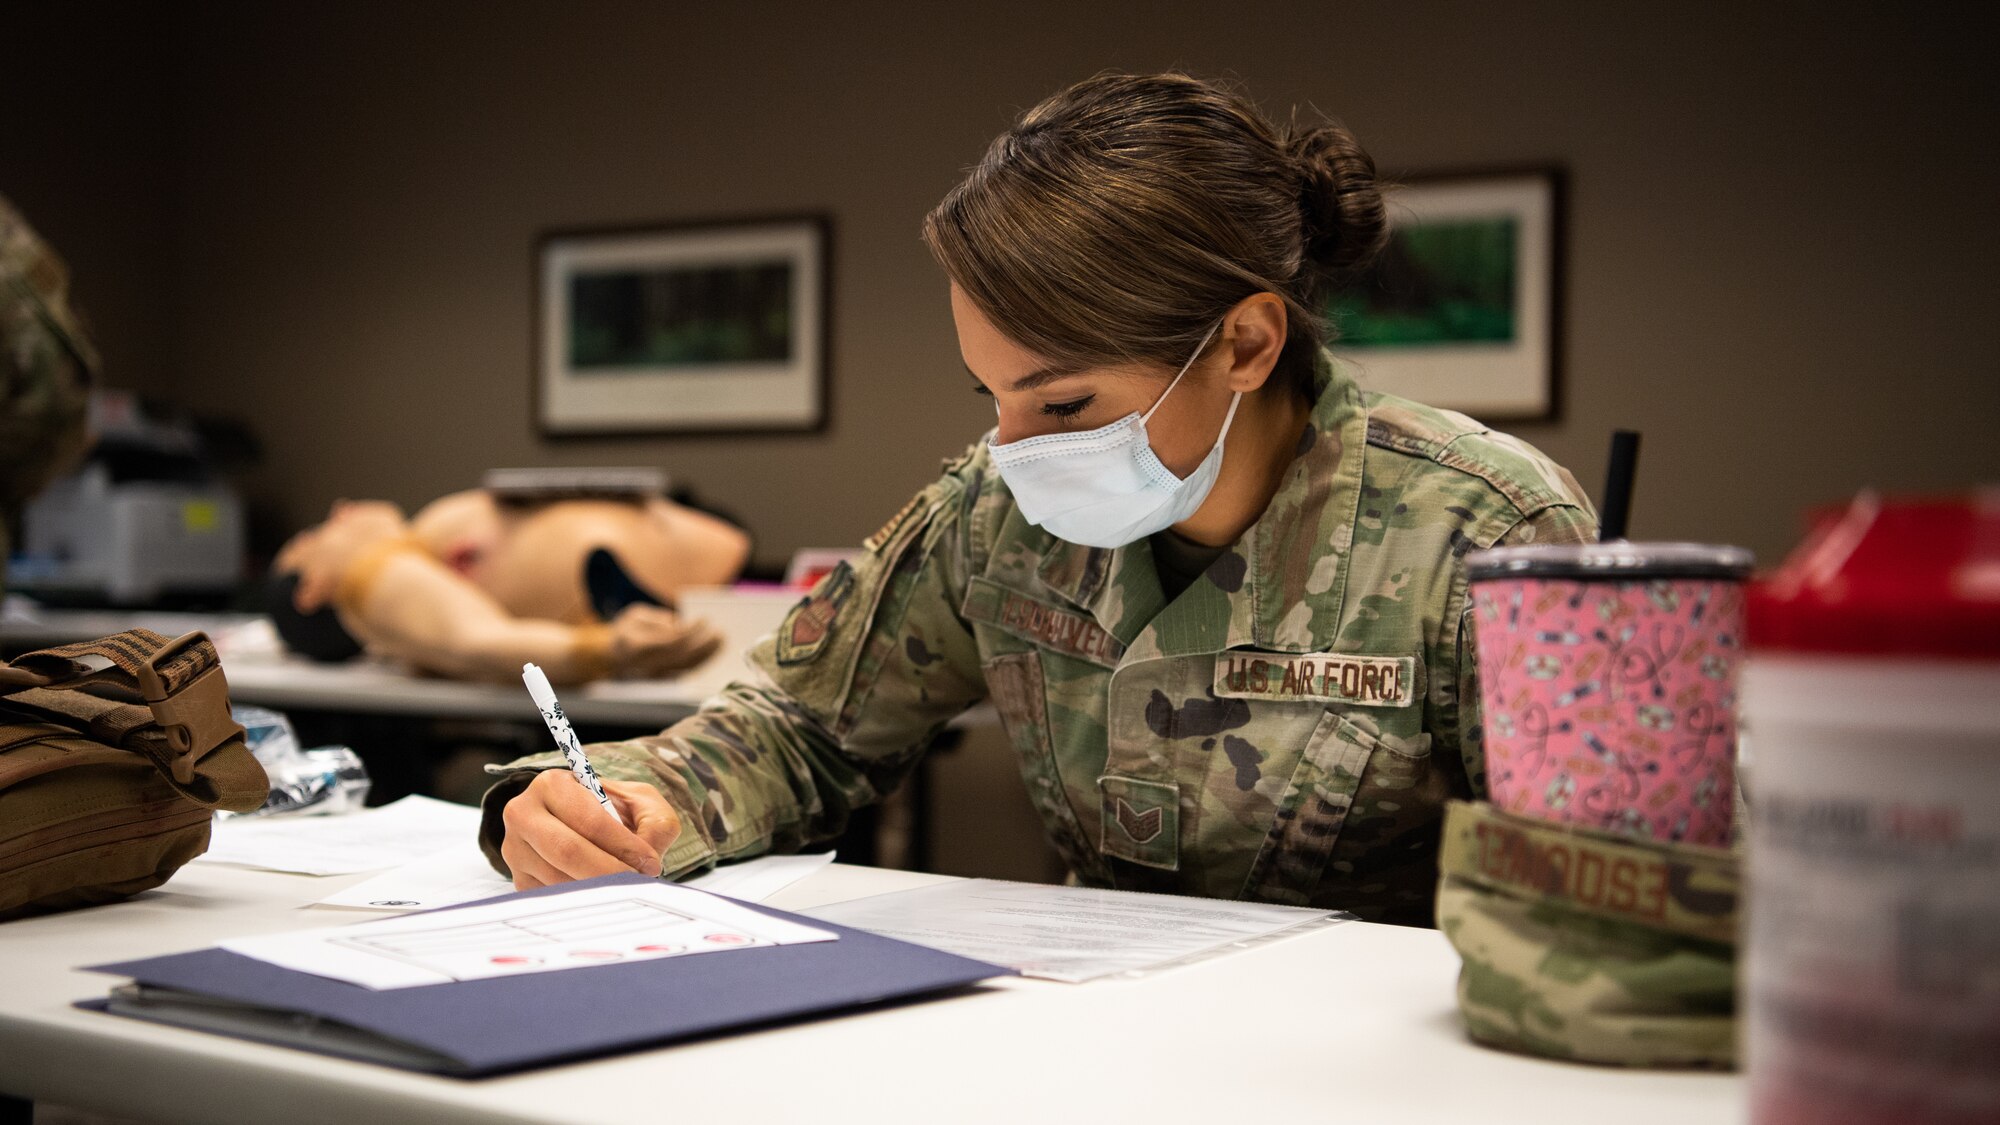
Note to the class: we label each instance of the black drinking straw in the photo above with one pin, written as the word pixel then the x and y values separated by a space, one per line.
pixel 1617 506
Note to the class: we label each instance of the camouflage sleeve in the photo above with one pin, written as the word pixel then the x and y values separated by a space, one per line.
pixel 848 693
pixel 1557 523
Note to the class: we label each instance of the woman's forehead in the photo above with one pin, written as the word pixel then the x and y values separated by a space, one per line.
pixel 986 350
pixel 1004 365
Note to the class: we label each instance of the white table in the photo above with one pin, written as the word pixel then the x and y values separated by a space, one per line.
pixel 1353 1023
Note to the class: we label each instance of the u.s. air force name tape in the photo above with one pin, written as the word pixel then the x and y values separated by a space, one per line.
pixel 1680 888
pixel 1320 677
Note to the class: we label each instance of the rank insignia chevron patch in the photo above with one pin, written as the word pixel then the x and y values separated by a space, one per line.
pixel 1141 827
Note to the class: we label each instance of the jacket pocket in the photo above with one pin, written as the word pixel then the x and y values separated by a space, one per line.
pixel 1325 786
pixel 1019 692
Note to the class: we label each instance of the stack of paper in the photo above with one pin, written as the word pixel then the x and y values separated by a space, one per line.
pixel 341 845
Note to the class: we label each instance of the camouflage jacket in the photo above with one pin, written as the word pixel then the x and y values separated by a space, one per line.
pixel 1287 729
pixel 47 362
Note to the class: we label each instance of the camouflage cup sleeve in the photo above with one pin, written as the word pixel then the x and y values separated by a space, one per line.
pixel 1589 946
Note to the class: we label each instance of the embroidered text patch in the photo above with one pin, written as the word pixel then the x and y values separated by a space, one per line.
pixel 1321 677
pixel 1041 623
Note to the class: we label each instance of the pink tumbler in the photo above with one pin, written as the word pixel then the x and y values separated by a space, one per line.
pixel 1608 680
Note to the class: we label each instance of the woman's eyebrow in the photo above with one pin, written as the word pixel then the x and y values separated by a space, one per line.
pixel 1033 379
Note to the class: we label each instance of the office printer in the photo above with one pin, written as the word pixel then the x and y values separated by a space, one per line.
pixel 145 518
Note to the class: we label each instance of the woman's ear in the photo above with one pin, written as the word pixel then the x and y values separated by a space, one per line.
pixel 1253 336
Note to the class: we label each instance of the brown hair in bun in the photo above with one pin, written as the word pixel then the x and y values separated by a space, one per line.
pixel 1346 224
pixel 1118 219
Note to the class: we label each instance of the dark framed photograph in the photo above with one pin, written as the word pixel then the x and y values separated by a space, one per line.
pixel 1462 308
pixel 685 327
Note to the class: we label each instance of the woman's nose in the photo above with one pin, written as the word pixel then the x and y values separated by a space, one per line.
pixel 1013 427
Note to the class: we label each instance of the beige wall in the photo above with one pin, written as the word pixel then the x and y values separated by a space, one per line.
pixel 1781 227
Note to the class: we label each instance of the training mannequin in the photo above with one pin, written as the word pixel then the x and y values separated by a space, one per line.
pixel 474 586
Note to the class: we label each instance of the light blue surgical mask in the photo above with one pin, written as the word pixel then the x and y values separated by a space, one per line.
pixel 1106 487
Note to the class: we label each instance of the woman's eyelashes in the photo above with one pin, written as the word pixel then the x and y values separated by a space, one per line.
pixel 1059 410
pixel 1069 409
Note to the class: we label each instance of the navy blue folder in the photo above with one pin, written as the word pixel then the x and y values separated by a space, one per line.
pixel 480 1027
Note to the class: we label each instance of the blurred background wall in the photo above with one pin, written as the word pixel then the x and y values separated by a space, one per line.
pixel 322 218
pixel 87 153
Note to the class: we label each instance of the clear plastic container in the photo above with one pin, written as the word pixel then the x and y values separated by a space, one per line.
pixel 326 779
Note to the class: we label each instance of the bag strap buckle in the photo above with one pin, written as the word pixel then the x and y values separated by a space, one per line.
pixel 194 717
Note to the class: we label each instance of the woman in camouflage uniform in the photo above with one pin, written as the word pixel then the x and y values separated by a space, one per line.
pixel 1214 590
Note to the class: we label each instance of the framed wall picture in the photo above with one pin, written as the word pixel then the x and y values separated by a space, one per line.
pixel 1462 308
pixel 688 327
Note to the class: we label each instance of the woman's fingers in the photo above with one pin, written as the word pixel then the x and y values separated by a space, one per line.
pixel 562 852
pixel 604 833
pixel 651 816
pixel 557 831
pixel 529 869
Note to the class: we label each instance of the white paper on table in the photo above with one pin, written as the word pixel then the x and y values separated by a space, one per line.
pixel 755 880
pixel 462 874
pixel 1070 933
pixel 343 844
pixel 446 878
pixel 533 934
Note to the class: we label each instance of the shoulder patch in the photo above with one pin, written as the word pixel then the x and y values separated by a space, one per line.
pixel 807 626
pixel 1410 427
pixel 1521 473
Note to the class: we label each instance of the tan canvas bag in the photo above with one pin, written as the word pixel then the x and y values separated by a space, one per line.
pixel 114 754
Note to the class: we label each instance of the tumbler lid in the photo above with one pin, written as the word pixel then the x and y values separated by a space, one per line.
pixel 1888 577
pixel 1615 561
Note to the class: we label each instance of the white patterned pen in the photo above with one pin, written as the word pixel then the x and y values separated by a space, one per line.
pixel 559 729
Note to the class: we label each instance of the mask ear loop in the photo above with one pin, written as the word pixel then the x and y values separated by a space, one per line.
pixel 1148 415
pixel 1229 417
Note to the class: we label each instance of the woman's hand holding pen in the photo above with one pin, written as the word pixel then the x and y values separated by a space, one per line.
pixel 556 831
